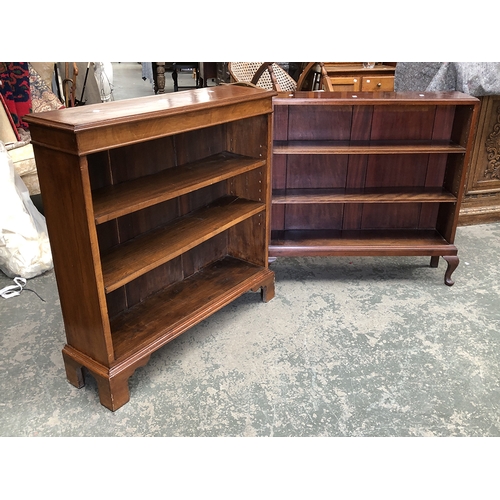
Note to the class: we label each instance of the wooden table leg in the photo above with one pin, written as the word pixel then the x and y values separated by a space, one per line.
pixel 434 261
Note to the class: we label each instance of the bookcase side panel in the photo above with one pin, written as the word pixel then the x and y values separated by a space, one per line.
pixel 67 202
pixel 248 240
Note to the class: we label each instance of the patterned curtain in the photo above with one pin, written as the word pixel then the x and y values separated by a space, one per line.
pixel 15 88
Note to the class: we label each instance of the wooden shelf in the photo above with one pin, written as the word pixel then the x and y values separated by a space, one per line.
pixel 362 242
pixel 171 311
pixel 150 250
pixel 372 195
pixel 121 199
pixel 365 147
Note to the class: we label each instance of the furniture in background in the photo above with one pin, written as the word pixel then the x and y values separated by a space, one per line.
pixel 158 213
pixel 481 200
pixel 223 75
pixel 270 75
pixel 354 77
pixel 17 141
pixel 201 73
pixel 370 174
pixel 208 71
pixel 266 75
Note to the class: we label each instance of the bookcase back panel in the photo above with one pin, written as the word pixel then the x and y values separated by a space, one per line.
pixel 319 123
pixel 198 144
pixel 428 215
pixel 402 122
pixel 279 169
pixel 396 170
pixel 443 123
pixel 316 171
pixel 436 170
pixel 401 216
pixel 136 291
pixel 278 217
pixel 202 255
pixel 202 197
pixel 129 226
pixel 320 216
pixel 99 169
pixel 137 160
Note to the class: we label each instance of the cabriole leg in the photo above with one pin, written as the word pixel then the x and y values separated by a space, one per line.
pixel 452 265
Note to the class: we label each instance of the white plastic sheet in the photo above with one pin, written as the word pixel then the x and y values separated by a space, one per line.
pixel 24 243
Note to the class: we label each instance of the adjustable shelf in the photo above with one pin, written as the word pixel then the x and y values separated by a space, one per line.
pixel 136 257
pixel 364 147
pixel 357 174
pixel 158 214
pixel 360 195
pixel 114 201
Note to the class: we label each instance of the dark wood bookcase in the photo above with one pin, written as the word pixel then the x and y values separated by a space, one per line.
pixel 158 212
pixel 370 174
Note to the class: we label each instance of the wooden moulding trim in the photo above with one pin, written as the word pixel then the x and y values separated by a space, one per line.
pixel 127 365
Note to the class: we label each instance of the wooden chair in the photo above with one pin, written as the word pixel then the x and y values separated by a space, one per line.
pixel 271 76
pixel 314 77
pixel 267 75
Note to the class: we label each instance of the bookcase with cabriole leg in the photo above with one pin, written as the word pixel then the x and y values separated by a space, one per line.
pixel 370 174
pixel 158 216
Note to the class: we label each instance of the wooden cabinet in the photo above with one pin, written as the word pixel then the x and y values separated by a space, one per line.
pixel 481 202
pixel 353 77
pixel 158 216
pixel 370 173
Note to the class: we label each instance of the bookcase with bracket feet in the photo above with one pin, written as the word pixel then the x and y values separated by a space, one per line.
pixel 370 174
pixel 158 212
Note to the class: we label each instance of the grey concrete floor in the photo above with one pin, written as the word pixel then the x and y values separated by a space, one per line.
pixel 349 347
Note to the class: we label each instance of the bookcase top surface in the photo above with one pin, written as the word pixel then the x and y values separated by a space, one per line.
pixel 373 98
pixel 140 108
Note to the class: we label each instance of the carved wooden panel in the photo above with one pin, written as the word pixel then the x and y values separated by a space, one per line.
pixel 481 203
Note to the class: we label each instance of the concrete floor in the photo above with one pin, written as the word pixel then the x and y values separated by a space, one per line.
pixel 348 347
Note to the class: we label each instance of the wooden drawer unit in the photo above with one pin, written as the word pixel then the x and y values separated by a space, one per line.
pixel 362 83
pixel 353 77
pixel 370 173
pixel 158 215
pixel 377 83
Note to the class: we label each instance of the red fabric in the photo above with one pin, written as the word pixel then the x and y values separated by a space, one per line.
pixel 15 89
pixel 9 116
